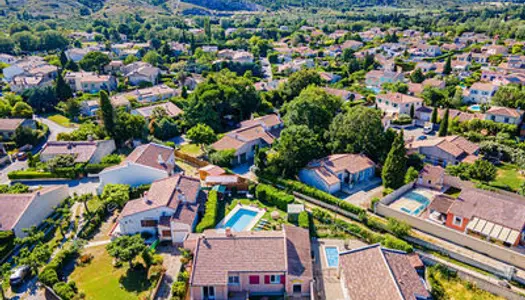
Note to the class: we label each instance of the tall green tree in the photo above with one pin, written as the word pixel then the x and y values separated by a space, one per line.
pixel 107 113
pixel 62 89
pixel 434 117
pixel 201 134
pixel 94 61
pixel 395 166
pixel 63 59
pixel 447 69
pixel 417 76
pixel 443 127
pixel 412 111
pixel 126 248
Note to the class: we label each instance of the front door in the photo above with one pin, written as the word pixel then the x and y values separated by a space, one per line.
pixel 208 293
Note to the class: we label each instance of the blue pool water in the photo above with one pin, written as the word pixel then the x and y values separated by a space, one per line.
pixel 332 256
pixel 418 198
pixel 240 220
pixel 475 108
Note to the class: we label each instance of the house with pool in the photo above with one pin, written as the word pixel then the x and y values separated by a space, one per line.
pixel 446 201
pixel 168 211
pixel 238 265
pixel 338 172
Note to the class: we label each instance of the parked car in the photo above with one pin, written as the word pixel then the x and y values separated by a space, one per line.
pixel 421 137
pixel 428 128
pixel 21 155
pixel 19 274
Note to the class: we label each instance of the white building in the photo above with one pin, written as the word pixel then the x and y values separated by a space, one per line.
pixel 397 103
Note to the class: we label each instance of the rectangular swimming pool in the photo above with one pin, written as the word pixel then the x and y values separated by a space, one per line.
pixel 413 202
pixel 332 256
pixel 240 219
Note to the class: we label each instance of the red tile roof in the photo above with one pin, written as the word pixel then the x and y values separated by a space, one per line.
pixel 373 272
pixel 148 155
pixel 10 124
pixel 81 150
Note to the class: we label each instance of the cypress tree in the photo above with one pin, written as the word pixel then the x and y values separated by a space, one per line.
pixel 443 127
pixel 393 173
pixel 412 111
pixel 62 89
pixel 63 59
pixel 447 69
pixel 434 118
pixel 184 92
pixel 107 113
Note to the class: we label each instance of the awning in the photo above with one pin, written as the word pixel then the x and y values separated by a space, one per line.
pixel 495 231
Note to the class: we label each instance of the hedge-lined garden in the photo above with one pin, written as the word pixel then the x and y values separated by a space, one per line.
pixel 210 216
pixel 273 196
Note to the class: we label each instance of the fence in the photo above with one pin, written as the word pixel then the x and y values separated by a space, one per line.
pixel 492 250
pixel 190 159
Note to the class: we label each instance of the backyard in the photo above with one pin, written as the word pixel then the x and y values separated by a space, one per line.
pixel 191 149
pixel 61 120
pixel 508 178
pixel 100 280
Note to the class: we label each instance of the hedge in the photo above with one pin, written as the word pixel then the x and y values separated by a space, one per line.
pixel 273 196
pixel 29 175
pixel 138 191
pixel 210 216
pixel 307 190
pixel 7 242
pixel 96 168
pixel 303 220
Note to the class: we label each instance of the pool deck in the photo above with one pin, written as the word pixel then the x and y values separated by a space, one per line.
pixel 255 220
pixel 411 204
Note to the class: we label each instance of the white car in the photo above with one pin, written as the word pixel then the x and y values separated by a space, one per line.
pixel 428 127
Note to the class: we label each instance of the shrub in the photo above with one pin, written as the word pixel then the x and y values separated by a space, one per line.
pixel 155 272
pixel 398 228
pixel 64 291
pixel 273 196
pixel 138 191
pixel 303 220
pixel 179 289
pixel 373 202
pixel 210 216
pixel 223 158
pixel 183 276
pixel 392 242
pixel 86 258
pixel 13 175
pixel 48 277
pixel 95 168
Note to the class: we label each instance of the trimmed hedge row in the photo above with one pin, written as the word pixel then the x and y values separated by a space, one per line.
pixel 96 168
pixel 210 216
pixel 273 196
pixel 307 190
pixel 30 175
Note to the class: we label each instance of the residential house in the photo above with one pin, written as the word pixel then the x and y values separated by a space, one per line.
pixel 138 72
pixel 8 59
pixel 21 211
pixel 249 264
pixel 260 132
pixel 147 95
pixel 495 216
pixel 114 67
pixel 417 88
pixel 329 77
pixel 8 126
pixel 376 273
pixel 426 67
pixel 491 76
pixel 376 78
pixel 497 50
pixel 336 172
pixel 168 210
pixel 480 93
pixel 83 151
pixel 243 57
pixel 22 67
pixel 76 54
pixel 443 151
pixel 426 50
pixel 169 108
pixel 22 83
pixel 90 82
pixel 397 103
pixel 351 44
pixel 144 165
pixel 91 107
pixel 504 115
pixel 432 177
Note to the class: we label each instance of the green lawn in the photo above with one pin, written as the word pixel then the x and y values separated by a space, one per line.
pixel 508 178
pixel 100 280
pixel 61 120
pixel 191 149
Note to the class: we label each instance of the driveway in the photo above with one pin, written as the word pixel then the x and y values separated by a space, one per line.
pixel 172 263
pixel 15 166
pixel 78 186
pixel 54 128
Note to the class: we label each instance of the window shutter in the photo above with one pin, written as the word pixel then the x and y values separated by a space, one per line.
pixel 254 279
pixel 266 279
pixel 283 279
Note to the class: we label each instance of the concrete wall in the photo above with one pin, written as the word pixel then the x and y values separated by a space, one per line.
pixel 492 250
pixel 397 193
pixel 40 208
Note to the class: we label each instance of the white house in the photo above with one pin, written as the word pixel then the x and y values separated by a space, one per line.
pixel 83 151
pixel 504 115
pixel 398 103
pixel 20 211
pixel 168 210
pixel 90 82
pixel 335 172
pixel 480 93
pixel 144 165
pixel 138 72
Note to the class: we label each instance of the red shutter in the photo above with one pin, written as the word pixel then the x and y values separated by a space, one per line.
pixel 283 279
pixel 254 279
pixel 266 279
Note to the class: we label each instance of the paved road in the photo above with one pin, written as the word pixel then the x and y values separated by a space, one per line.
pixel 54 128
pixel 17 165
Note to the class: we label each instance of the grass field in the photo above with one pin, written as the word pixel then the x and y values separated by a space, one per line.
pixel 458 289
pixel 100 280
pixel 191 149
pixel 508 178
pixel 61 120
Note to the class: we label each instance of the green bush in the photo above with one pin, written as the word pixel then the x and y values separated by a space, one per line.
pixel 13 175
pixel 179 289
pixel 138 191
pixel 392 242
pixel 96 168
pixel 64 291
pixel 48 277
pixel 273 196
pixel 398 228
pixel 223 158
pixel 7 242
pixel 210 216
pixel 303 220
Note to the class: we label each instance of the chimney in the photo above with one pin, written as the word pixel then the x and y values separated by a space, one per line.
pixel 160 159
pixel 228 232
pixel 145 198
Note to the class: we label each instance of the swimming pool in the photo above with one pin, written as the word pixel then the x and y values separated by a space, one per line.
pixel 413 202
pixel 241 219
pixel 475 108
pixel 332 256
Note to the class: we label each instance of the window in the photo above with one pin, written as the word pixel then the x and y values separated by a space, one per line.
pixel 458 221
pixel 166 233
pixel 233 280
pixel 148 223
pixel 208 292
pixel 275 278
pixel 296 288
pixel 254 279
